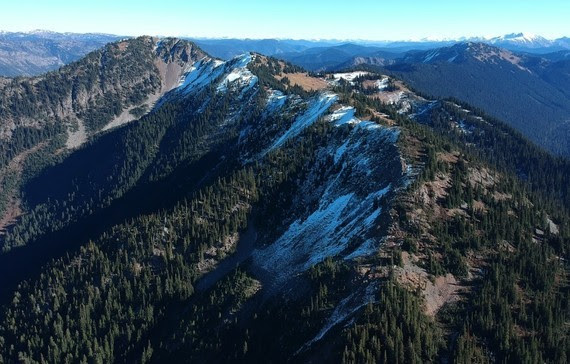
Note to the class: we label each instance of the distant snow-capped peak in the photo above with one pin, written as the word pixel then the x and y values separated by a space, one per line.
pixel 523 39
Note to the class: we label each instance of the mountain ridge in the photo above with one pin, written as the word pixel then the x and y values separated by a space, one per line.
pixel 386 225
pixel 46 50
pixel 494 79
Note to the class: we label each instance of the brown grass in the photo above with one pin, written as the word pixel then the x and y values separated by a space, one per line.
pixel 304 81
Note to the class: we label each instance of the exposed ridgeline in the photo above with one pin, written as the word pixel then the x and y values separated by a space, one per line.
pixel 528 91
pixel 378 226
pixel 233 138
pixel 97 91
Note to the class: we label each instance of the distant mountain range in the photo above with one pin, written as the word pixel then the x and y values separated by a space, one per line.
pixel 526 42
pixel 36 52
pixel 32 53
pixel 229 48
pixel 521 42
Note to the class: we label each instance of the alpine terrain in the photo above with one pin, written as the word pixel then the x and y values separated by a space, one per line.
pixel 163 205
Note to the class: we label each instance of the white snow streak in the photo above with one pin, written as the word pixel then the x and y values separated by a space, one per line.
pixel 431 55
pixel 239 75
pixel 206 71
pixel 275 101
pixel 316 108
pixel 382 84
pixel 349 76
pixel 346 308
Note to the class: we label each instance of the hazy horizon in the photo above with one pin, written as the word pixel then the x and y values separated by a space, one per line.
pixel 427 39
pixel 318 20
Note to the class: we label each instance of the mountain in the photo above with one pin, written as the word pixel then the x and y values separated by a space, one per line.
pixel 33 53
pixel 55 113
pixel 527 91
pixel 257 212
pixel 523 42
pixel 519 42
pixel 556 56
pixel 104 89
pixel 229 48
pixel 36 52
pixel 336 57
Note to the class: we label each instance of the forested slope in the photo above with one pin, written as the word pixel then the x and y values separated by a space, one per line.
pixel 377 225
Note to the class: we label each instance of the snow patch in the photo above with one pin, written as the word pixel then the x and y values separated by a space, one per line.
pixel 307 242
pixel 326 232
pixel 239 75
pixel 382 84
pixel 344 115
pixel 349 76
pixel 465 129
pixel 317 108
pixel 340 151
pixel 201 74
pixel 275 101
pixel 431 55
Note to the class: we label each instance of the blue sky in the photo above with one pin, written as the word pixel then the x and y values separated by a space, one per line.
pixel 309 19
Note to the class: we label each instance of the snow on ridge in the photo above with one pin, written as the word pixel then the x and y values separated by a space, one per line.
pixel 275 100
pixel 344 115
pixel 382 84
pixel 200 75
pixel 316 108
pixel 349 76
pixel 207 70
pixel 347 201
pixel 239 75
